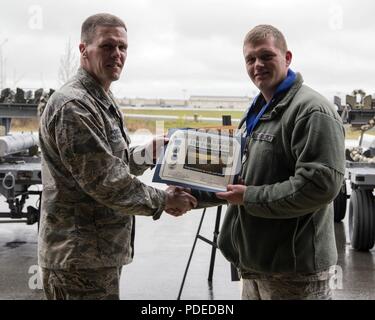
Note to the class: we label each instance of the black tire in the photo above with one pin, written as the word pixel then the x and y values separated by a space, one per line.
pixel 339 204
pixel 362 219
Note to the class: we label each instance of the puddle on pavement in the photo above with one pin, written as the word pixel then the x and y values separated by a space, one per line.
pixel 15 244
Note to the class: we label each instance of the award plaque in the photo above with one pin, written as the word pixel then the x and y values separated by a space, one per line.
pixel 207 161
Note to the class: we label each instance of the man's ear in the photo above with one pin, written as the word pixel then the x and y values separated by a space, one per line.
pixel 82 49
pixel 288 58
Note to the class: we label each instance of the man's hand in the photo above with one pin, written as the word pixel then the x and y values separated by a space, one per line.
pixel 234 194
pixel 179 202
pixel 173 189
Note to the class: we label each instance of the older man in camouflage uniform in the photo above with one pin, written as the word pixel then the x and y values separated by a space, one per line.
pixel 90 193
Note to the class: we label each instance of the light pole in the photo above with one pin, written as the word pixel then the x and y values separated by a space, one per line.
pixel 184 96
pixel 2 64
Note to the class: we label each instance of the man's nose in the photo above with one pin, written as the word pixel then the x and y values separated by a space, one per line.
pixel 259 63
pixel 116 52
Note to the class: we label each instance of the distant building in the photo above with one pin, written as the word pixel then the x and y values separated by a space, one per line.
pixel 201 102
pixel 219 102
pixel 152 103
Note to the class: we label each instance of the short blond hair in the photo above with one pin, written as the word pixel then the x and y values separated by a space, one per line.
pixel 262 32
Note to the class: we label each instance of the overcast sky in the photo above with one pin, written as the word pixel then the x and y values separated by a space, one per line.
pixel 180 48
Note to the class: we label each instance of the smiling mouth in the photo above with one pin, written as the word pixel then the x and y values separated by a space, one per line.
pixel 261 74
pixel 114 66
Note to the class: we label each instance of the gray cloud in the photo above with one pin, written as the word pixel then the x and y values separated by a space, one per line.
pixel 195 47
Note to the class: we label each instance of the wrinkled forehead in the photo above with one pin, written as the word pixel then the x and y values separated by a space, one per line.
pixel 110 32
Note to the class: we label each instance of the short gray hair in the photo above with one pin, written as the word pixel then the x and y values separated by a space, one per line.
pixel 262 32
pixel 101 19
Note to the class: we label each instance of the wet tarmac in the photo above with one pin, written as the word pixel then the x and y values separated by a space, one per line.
pixel 162 249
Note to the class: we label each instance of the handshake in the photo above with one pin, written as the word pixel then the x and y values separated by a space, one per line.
pixel 179 200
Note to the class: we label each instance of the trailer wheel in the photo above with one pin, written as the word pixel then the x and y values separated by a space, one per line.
pixel 362 219
pixel 339 204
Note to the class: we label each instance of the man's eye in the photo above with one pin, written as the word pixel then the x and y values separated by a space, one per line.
pixel 266 57
pixel 250 60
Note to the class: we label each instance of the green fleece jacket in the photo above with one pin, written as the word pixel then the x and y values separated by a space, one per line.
pixel 293 169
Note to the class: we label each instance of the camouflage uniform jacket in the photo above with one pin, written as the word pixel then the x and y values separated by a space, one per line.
pixel 90 195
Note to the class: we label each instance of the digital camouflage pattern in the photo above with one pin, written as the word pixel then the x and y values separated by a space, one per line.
pixel 90 192
pixel 287 286
pixel 82 284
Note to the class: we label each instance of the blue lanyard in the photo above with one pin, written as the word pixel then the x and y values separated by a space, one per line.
pixel 252 119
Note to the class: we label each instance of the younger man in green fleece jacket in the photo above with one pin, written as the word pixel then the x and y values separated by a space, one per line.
pixel 278 229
